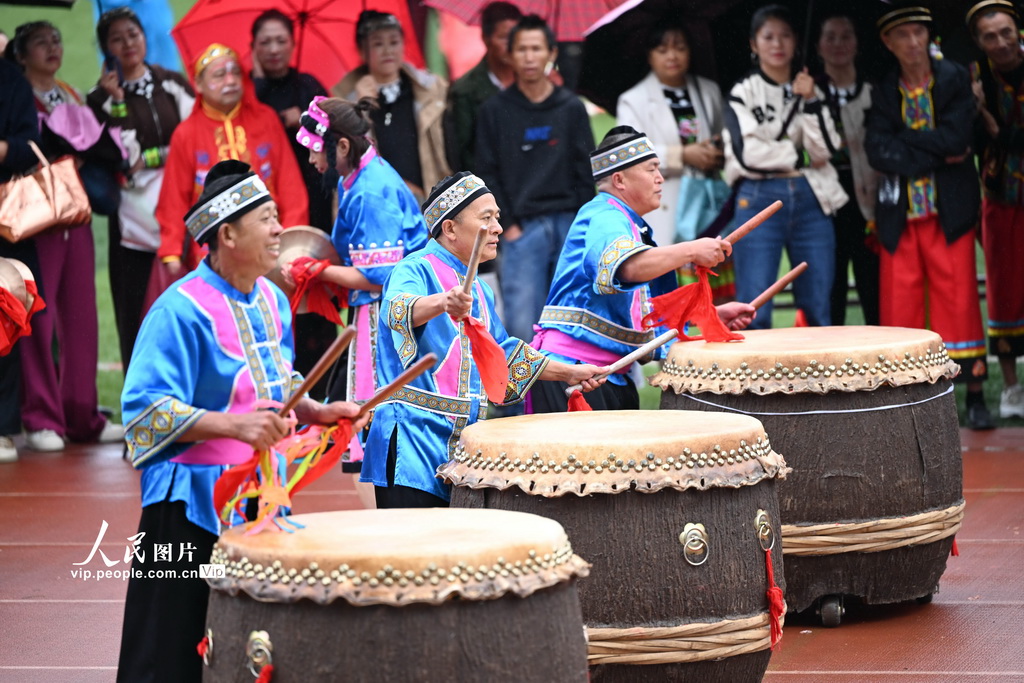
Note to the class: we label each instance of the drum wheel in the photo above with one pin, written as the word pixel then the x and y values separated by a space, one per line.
pixel 831 610
pixel 925 599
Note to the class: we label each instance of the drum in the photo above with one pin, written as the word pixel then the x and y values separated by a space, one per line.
pixel 398 595
pixel 672 510
pixel 867 420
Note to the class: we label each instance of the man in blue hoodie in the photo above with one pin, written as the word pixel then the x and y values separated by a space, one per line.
pixel 533 150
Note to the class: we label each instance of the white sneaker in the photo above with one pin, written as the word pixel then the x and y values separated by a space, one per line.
pixel 8 453
pixel 44 440
pixel 1011 404
pixel 112 433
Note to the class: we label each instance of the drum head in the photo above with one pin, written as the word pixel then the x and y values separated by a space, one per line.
pixel 613 452
pixel 27 276
pixel 302 240
pixel 398 557
pixel 807 359
pixel 12 280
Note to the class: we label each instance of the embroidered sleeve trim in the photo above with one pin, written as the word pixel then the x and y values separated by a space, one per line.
pixel 373 258
pixel 400 320
pixel 525 365
pixel 611 258
pixel 158 427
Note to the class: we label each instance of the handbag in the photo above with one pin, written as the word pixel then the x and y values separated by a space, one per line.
pixel 51 196
pixel 700 201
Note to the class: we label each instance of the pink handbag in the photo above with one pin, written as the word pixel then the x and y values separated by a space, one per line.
pixel 51 196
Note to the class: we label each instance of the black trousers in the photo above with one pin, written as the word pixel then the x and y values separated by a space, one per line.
pixel 549 397
pixel 850 248
pixel 129 271
pixel 165 618
pixel 10 365
pixel 402 496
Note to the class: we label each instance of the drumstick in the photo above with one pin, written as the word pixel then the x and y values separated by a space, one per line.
pixel 414 371
pixel 322 365
pixel 474 260
pixel 767 294
pixel 740 232
pixel 625 361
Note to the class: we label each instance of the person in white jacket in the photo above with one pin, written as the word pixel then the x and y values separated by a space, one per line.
pixel 682 115
pixel 779 139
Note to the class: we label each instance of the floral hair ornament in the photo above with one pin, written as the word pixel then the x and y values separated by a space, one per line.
pixel 313 126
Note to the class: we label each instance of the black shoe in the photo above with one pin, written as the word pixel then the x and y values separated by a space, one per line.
pixel 979 418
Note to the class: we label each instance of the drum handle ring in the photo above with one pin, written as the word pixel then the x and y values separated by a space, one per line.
pixel 765 533
pixel 259 649
pixel 208 653
pixel 695 544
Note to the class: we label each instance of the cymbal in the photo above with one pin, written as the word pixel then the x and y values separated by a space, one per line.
pixel 27 276
pixel 302 240
pixel 13 282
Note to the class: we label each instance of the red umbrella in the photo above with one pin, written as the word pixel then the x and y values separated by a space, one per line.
pixel 325 33
pixel 569 18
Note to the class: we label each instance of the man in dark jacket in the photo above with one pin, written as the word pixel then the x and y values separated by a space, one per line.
pixel 533 150
pixel 919 132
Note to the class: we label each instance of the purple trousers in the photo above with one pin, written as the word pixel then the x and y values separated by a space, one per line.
pixel 58 387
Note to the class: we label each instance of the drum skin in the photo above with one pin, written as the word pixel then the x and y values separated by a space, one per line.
pixel 638 576
pixel 852 461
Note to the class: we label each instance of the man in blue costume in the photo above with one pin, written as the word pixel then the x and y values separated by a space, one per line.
pixel 417 430
pixel 608 271
pixel 214 346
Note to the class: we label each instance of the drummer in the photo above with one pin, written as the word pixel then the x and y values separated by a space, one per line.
pixel 213 346
pixel 417 430
pixel 609 267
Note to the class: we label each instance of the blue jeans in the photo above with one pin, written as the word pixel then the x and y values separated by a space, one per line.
pixel 526 268
pixel 803 229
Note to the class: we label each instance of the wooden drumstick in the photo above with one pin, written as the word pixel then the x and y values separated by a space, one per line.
pixel 765 296
pixel 474 260
pixel 322 366
pixel 414 371
pixel 740 232
pixel 627 360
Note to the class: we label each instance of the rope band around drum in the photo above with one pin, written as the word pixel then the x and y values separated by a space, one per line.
pixel 947 391
pixel 697 642
pixel 872 536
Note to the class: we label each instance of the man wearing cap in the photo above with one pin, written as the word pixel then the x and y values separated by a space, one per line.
pixel 214 346
pixel 609 268
pixel 919 131
pixel 999 83
pixel 227 122
pixel 423 306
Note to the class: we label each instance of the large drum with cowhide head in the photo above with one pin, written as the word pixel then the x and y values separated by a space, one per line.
pixel 675 512
pixel 398 595
pixel 867 420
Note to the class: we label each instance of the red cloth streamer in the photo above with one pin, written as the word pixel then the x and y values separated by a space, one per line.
pixel 776 603
pixel 577 402
pixel 233 478
pixel 342 436
pixel 203 647
pixel 955 551
pixel 304 270
pixel 692 302
pixel 266 674
pixel 13 321
pixel 489 358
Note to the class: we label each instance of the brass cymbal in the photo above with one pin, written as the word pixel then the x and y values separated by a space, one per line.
pixel 302 240
pixel 27 276
pixel 13 282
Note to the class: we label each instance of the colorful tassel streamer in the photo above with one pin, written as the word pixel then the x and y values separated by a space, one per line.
pixel 693 303
pixel 776 602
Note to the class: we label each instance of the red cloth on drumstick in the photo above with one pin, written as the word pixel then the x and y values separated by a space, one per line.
pixel 304 270
pixel 489 358
pixel 954 551
pixel 692 302
pixel 577 402
pixel 227 484
pixel 776 602
pixel 13 321
pixel 342 436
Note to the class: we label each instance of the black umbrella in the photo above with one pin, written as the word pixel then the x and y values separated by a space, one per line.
pixel 66 4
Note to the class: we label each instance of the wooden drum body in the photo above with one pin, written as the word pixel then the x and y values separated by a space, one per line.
pixel 399 595
pixel 867 420
pixel 668 508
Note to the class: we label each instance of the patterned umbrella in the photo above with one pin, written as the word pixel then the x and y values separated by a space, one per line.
pixel 568 18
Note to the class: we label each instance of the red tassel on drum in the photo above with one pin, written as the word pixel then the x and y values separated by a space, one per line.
pixel 692 302
pixel 304 270
pixel 955 551
pixel 203 647
pixel 776 602
pixel 266 674
pixel 577 402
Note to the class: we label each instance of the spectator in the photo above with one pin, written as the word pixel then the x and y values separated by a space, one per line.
pixel 533 150
pixel 493 74
pixel 17 126
pixel 919 133
pixel 409 121
pixel 994 27
pixel 778 142
pixel 227 122
pixel 848 97
pixel 59 397
pixel 147 102
pixel 288 91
